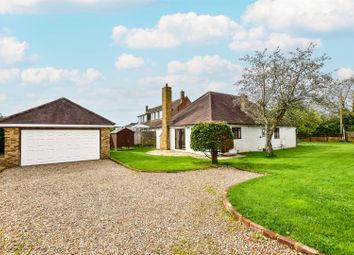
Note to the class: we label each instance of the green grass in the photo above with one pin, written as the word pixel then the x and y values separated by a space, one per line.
pixel 138 159
pixel 307 194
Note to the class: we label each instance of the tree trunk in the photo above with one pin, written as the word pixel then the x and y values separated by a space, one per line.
pixel 214 157
pixel 269 146
pixel 341 125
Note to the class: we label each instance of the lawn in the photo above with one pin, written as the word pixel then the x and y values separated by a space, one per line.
pixel 307 194
pixel 138 159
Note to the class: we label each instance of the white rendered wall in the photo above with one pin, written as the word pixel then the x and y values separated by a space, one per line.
pixel 158 134
pixel 251 138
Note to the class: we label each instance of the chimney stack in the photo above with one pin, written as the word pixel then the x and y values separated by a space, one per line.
pixel 243 99
pixel 166 117
pixel 182 95
pixel 146 108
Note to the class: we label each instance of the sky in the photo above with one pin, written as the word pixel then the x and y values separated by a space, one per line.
pixel 114 56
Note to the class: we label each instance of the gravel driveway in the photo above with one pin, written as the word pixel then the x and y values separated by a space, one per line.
pixel 99 207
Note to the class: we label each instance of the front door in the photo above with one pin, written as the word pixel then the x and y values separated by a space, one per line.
pixel 180 139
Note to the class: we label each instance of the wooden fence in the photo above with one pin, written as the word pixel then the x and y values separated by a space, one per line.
pixel 349 136
pixel 148 138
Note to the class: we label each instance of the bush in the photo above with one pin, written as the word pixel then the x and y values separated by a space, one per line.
pixel 212 137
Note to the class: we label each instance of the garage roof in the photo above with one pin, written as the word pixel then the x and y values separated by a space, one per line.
pixel 58 112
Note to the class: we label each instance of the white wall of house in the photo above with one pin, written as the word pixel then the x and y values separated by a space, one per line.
pixel 251 138
pixel 158 134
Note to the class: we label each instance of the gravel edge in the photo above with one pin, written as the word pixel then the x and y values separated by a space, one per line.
pixel 265 231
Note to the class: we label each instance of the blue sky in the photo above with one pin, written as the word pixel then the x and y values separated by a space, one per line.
pixel 114 56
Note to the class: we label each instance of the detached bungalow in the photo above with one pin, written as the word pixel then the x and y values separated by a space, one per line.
pixel 175 131
pixel 59 131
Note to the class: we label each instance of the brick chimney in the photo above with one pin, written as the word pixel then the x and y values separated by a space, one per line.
pixel 166 117
pixel 182 95
pixel 146 108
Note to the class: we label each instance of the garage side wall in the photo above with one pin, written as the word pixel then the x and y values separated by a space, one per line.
pixel 105 142
pixel 12 147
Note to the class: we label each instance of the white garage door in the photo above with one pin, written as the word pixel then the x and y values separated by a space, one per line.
pixel 44 146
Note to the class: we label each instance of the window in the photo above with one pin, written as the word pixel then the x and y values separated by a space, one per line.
pixel 180 140
pixel 237 132
pixel 276 133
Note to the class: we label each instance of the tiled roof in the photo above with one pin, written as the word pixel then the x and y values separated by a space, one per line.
pixel 154 123
pixel 212 106
pixel 60 112
pixel 175 104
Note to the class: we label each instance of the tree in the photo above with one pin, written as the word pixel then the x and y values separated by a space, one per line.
pixel 275 82
pixel 212 137
pixel 341 93
pixel 305 119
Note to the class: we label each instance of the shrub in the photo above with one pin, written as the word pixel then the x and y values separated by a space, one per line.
pixel 212 137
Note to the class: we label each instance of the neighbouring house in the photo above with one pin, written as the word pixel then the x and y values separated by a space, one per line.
pixel 175 130
pixel 145 129
pixel 153 116
pixel 123 137
pixel 59 131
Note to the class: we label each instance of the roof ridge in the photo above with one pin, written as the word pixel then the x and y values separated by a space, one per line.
pixel 150 108
pixel 220 93
pixel 191 104
pixel 99 116
pixel 52 102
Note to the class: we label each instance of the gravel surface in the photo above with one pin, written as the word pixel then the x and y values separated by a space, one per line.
pixel 185 153
pixel 99 207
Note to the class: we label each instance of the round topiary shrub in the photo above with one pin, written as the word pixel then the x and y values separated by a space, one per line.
pixel 212 137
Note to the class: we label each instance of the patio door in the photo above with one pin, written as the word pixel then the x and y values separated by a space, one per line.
pixel 180 139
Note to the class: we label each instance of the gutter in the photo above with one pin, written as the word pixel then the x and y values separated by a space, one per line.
pixel 55 126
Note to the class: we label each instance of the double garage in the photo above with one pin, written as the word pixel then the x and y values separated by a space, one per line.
pixel 60 131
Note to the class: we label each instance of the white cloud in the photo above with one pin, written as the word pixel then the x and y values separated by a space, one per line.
pixel 52 75
pixel 175 29
pixel 318 15
pixel 259 38
pixel 12 51
pixel 127 61
pixel 43 6
pixel 345 73
pixel 183 28
pixel 7 75
pixel 197 75
pixel 207 65
pixel 2 97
